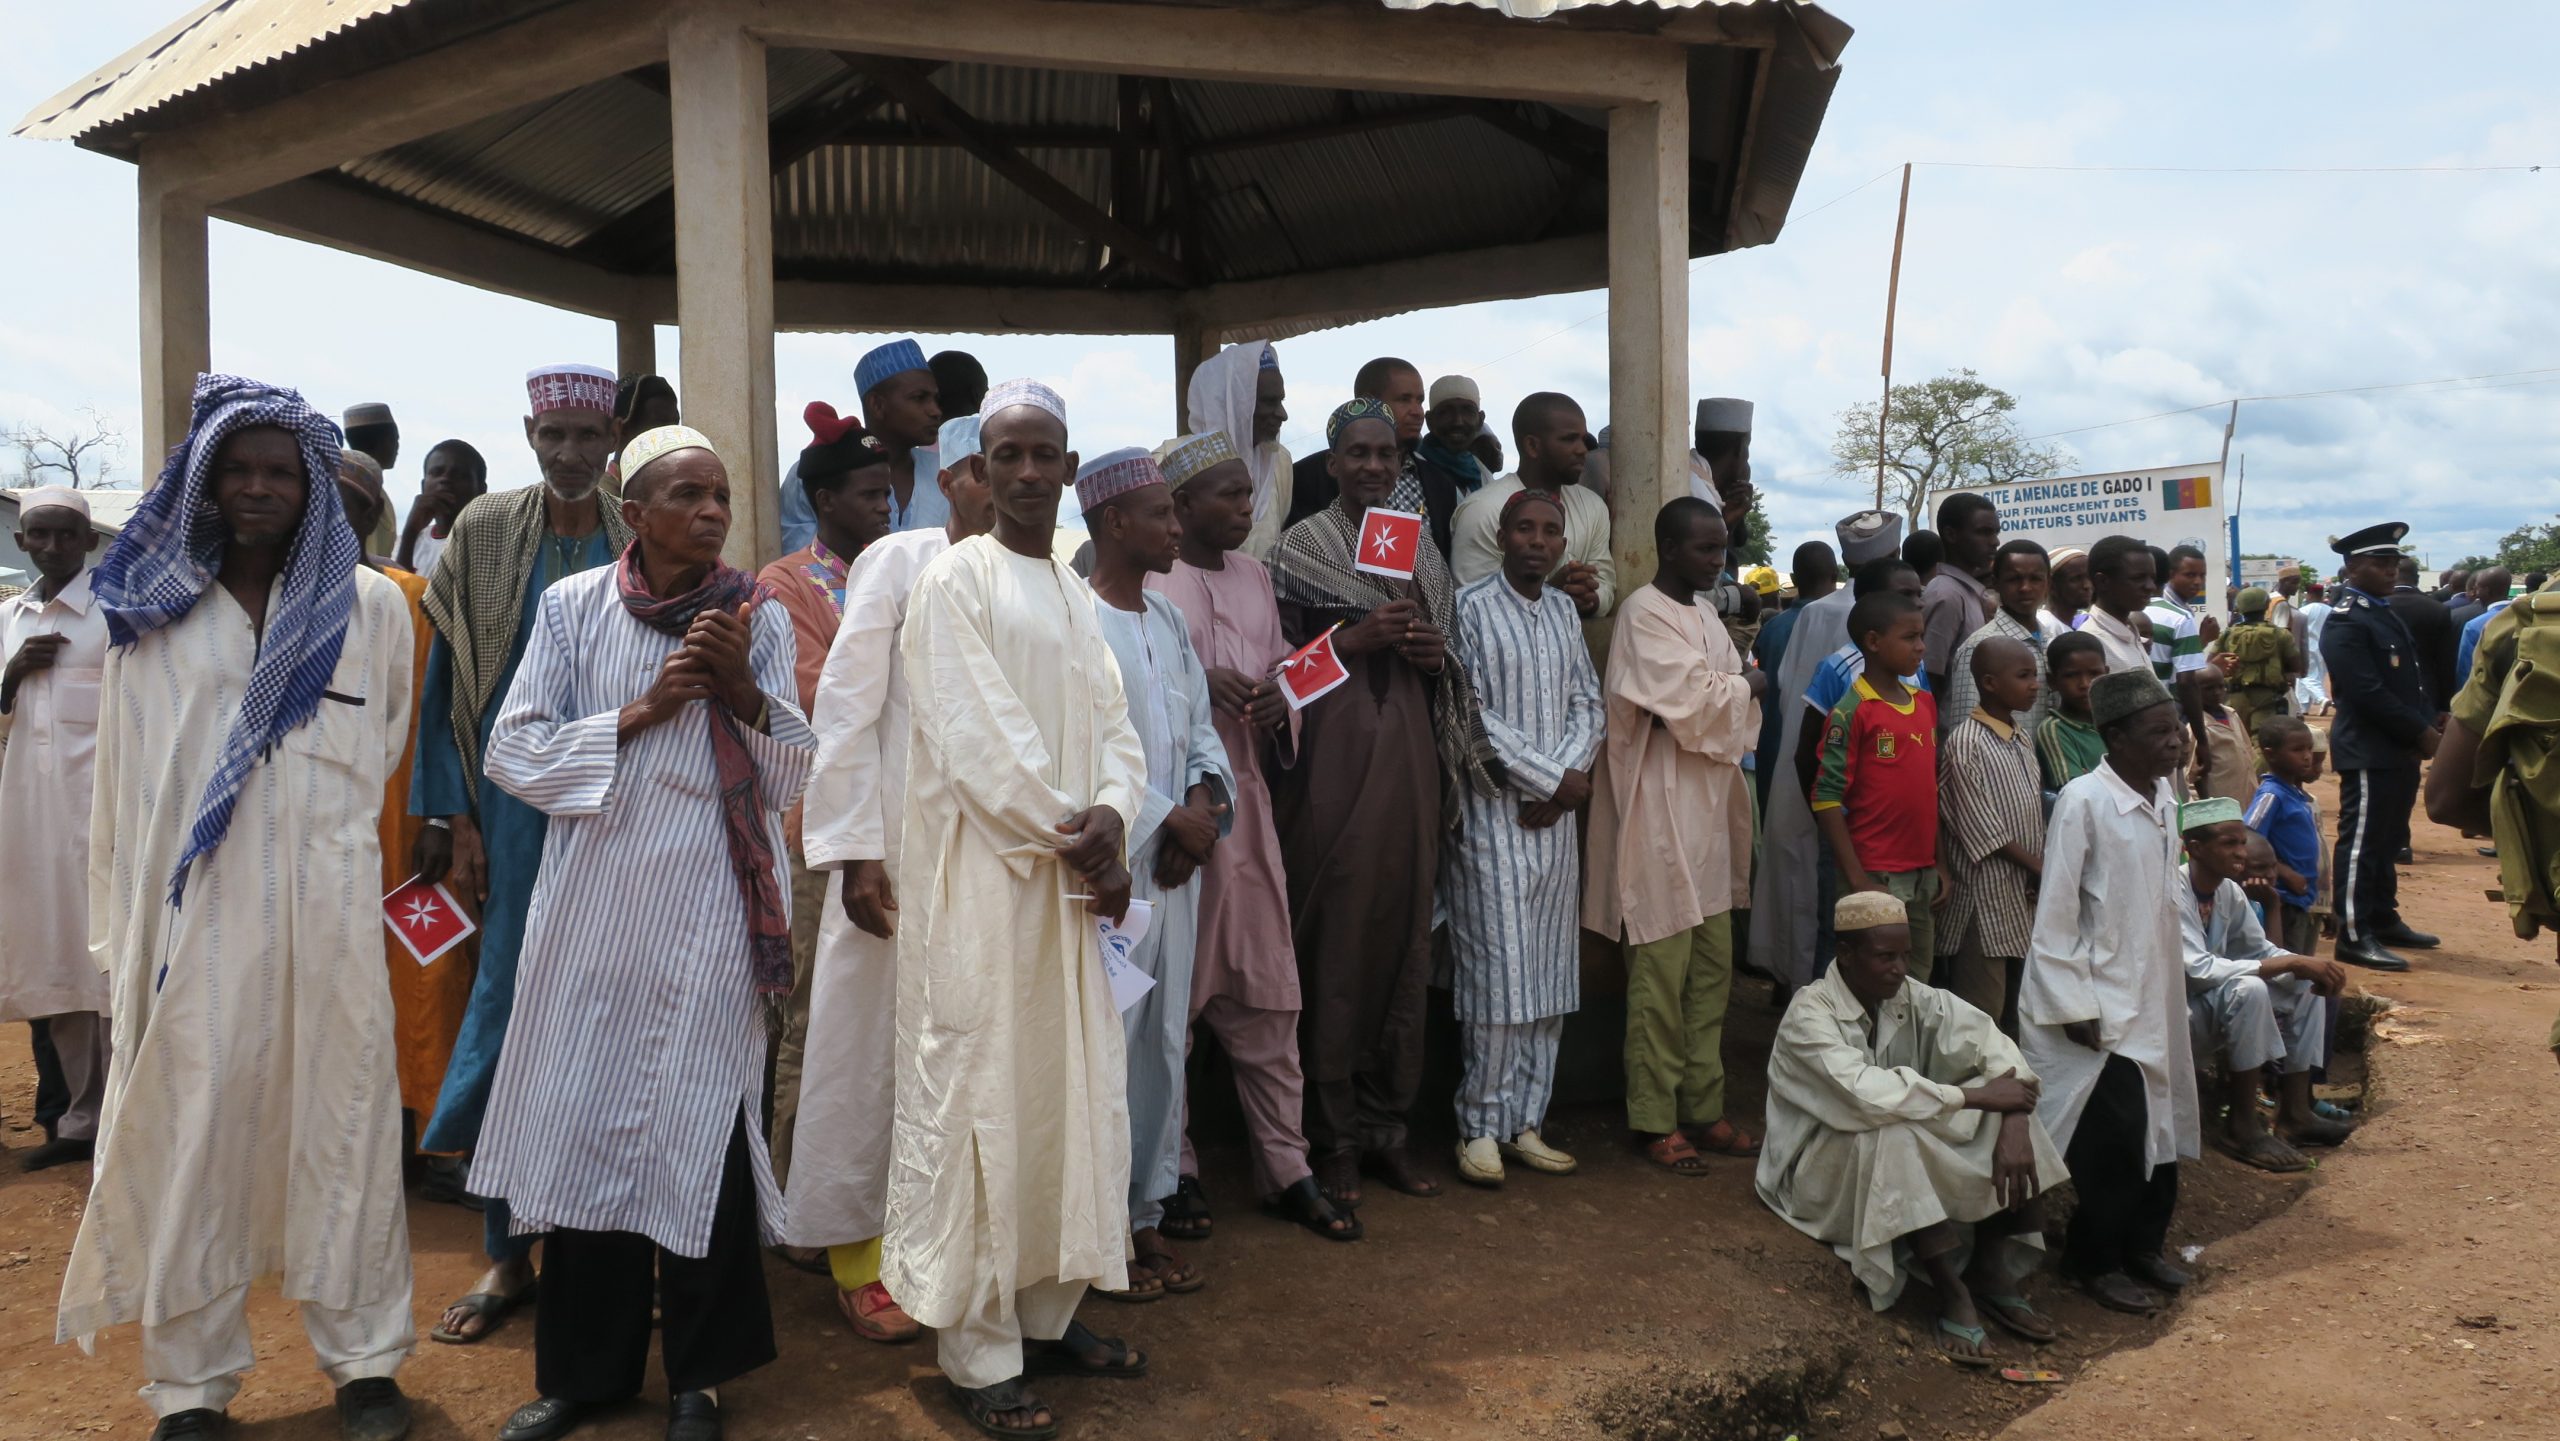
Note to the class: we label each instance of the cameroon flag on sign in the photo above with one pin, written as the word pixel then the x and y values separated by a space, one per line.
pixel 2194 492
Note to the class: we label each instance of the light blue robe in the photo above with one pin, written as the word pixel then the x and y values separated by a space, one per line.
pixel 1169 709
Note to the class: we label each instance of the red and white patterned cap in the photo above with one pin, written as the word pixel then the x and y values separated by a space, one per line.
pixel 569 387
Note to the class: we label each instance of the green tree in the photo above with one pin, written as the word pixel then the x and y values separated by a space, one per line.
pixel 2529 547
pixel 1951 430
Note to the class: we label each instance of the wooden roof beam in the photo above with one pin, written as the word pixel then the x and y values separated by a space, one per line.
pixel 925 101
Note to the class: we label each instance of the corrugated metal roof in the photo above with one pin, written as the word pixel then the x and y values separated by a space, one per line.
pixel 218 38
pixel 1272 180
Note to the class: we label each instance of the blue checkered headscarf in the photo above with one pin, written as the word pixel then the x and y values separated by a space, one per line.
pixel 169 553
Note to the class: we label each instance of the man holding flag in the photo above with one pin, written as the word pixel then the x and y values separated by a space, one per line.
pixel 1378 759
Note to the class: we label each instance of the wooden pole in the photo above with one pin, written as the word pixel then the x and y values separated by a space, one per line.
pixel 1892 294
pixel 177 328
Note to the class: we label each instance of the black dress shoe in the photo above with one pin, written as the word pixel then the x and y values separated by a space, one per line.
pixel 371 1408
pixel 2407 857
pixel 2156 1272
pixel 197 1424
pixel 63 1152
pixel 2369 954
pixel 2398 934
pixel 692 1416
pixel 544 1419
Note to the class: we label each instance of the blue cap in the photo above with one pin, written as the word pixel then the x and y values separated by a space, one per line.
pixel 895 358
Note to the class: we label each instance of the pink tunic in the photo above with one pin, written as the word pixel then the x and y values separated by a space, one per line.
pixel 1245 947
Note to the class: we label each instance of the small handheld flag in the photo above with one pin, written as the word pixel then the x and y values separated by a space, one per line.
pixel 1389 540
pixel 426 918
pixel 1312 670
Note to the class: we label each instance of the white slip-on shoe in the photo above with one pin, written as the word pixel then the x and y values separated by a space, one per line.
pixel 1532 1151
pixel 1480 1162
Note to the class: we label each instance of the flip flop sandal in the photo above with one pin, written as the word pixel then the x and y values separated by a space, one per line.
pixel 1973 1335
pixel 1136 1295
pixel 2267 1153
pixel 1396 1169
pixel 1166 1273
pixel 810 1259
pixel 1338 1180
pixel 1736 1142
pixel 490 1308
pixel 1304 1204
pixel 1065 1356
pixel 982 1405
pixel 868 1326
pixel 2030 1376
pixel 1673 1153
pixel 2006 1313
pixel 1186 1212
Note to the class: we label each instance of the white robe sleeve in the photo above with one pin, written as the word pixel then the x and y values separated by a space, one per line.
pixel 843 820
pixel 540 750
pixel 2245 941
pixel 2059 986
pixel 1819 1072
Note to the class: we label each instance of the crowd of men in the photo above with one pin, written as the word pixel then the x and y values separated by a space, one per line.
pixel 865 909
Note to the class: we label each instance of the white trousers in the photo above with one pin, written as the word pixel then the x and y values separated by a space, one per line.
pixel 195 1360
pixel 80 1039
pixel 2251 1022
pixel 1507 1077
pixel 986 1347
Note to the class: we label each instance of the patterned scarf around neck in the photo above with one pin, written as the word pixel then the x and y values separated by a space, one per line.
pixel 170 554
pixel 1313 568
pixel 741 815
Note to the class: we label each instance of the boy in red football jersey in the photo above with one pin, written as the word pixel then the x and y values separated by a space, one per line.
pixel 1876 797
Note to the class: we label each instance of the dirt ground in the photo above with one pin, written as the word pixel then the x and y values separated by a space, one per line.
pixel 2403 1289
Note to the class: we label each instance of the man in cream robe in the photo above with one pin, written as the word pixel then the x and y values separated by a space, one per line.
pixel 1670 837
pixel 851 820
pixel 252 1121
pixel 1889 1138
pixel 1791 931
pixel 1010 1160
pixel 53 639
pixel 2102 1003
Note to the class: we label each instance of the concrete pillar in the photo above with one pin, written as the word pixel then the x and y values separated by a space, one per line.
pixel 1648 324
pixel 635 348
pixel 177 326
pixel 724 264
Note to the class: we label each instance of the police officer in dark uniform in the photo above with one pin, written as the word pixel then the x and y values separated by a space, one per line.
pixel 2389 719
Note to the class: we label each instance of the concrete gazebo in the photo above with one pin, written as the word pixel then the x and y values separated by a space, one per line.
pixel 1205 169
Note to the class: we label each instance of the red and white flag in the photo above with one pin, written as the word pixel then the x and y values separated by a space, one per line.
pixel 1389 539
pixel 1312 670
pixel 426 918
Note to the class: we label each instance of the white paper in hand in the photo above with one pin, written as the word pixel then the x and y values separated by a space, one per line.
pixel 1129 985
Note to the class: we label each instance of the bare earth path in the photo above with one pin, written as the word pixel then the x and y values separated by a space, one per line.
pixel 1627 1304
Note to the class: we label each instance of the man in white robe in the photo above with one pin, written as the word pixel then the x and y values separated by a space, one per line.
pixel 1240 391
pixel 850 824
pixel 254 703
pixel 2102 1005
pixel 54 640
pixel 655 721
pixel 1880 1140
pixel 1010 1161
pixel 1790 934
pixel 1188 806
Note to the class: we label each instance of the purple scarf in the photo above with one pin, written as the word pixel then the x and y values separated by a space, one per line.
pixel 750 855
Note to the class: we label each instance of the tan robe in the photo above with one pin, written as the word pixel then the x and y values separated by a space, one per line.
pixel 1670 840
pixel 1009 1166
pixel 1869 1139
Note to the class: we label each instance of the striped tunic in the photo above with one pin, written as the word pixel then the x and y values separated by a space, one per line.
pixel 1990 796
pixel 1514 895
pixel 637 1045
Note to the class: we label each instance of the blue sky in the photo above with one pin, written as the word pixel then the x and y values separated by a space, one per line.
pixel 2095 297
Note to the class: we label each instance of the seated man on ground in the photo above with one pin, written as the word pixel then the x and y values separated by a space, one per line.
pixel 2249 1003
pixel 1902 1131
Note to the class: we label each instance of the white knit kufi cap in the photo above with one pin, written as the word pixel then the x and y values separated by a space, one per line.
pixel 57 496
pixel 1866 910
pixel 666 440
pixel 1453 387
